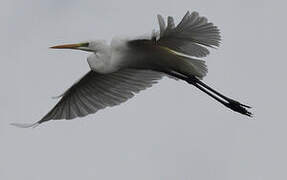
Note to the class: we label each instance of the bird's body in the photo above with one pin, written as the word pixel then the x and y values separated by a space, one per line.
pixel 126 66
pixel 140 54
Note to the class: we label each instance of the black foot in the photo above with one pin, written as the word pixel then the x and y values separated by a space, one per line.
pixel 238 107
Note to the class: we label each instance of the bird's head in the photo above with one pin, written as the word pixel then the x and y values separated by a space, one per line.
pixel 99 60
pixel 90 46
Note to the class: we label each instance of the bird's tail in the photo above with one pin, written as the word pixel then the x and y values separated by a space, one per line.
pixel 194 67
pixel 187 65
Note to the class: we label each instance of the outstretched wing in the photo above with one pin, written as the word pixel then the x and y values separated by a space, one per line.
pixel 96 91
pixel 190 35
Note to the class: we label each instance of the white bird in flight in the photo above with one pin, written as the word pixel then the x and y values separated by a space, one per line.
pixel 127 66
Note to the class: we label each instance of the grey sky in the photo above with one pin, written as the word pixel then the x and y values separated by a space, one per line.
pixel 171 131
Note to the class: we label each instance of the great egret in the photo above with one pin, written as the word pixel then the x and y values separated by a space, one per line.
pixel 127 66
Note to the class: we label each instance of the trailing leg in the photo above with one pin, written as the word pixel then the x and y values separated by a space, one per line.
pixel 229 103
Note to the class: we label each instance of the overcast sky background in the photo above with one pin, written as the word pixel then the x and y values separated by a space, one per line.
pixel 171 131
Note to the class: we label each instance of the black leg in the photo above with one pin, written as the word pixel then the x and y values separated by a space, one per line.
pixel 216 92
pixel 230 103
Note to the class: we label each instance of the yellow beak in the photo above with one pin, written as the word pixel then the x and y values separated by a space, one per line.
pixel 70 46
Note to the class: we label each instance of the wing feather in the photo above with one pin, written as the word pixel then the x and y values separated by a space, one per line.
pixel 161 24
pixel 96 91
pixel 191 36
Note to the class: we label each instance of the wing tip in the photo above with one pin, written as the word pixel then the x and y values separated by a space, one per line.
pixel 25 125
